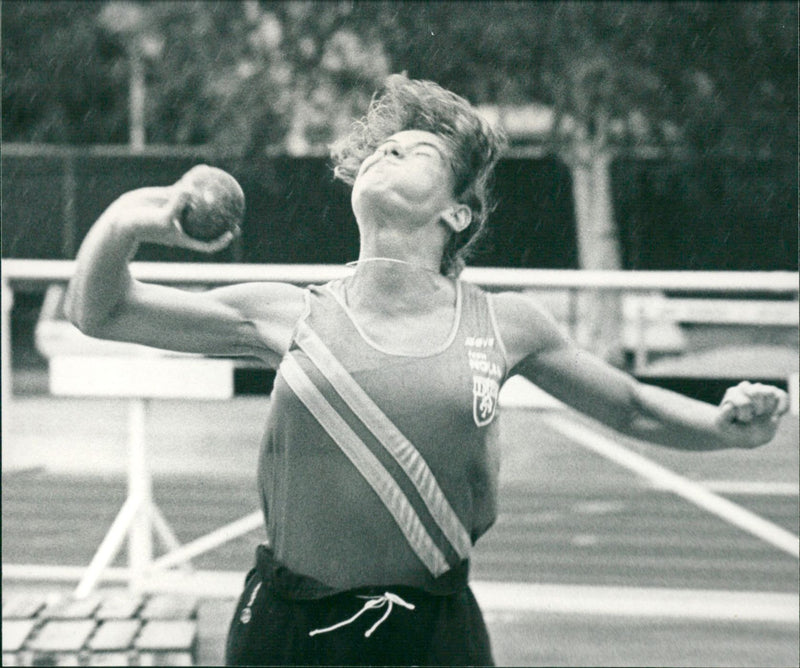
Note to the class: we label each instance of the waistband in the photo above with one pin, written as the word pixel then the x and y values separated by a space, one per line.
pixel 295 587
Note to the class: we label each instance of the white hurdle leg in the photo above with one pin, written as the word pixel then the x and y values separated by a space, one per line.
pixel 167 535
pixel 109 547
pixel 211 541
pixel 140 539
pixel 7 296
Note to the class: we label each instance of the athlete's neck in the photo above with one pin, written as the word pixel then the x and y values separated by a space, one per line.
pixel 396 285
pixel 391 260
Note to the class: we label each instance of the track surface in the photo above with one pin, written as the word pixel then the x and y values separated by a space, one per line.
pixel 568 516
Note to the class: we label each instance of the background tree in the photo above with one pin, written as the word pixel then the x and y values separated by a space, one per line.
pixel 703 78
pixel 697 77
pixel 60 79
pixel 245 76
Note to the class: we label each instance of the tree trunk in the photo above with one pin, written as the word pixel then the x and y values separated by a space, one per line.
pixel 599 312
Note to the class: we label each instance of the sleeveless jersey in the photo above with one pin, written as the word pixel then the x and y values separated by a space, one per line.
pixel 375 467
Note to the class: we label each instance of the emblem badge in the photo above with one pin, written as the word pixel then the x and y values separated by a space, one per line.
pixel 484 399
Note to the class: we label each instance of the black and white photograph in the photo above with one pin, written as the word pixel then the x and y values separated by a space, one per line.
pixel 400 333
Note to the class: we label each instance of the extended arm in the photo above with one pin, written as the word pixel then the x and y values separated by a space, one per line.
pixel 105 301
pixel 747 416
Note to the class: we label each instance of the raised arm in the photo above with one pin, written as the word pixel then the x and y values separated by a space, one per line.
pixel 105 301
pixel 747 416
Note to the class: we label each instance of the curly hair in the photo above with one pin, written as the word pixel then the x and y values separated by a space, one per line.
pixel 474 147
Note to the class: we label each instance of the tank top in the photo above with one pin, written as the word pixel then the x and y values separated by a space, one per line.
pixel 381 468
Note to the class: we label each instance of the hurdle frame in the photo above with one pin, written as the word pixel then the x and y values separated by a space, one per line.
pixel 15 272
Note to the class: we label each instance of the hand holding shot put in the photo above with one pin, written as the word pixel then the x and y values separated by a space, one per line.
pixel 202 211
pixel 379 465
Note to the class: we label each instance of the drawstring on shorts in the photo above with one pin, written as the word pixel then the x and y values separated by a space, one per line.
pixel 247 612
pixel 387 599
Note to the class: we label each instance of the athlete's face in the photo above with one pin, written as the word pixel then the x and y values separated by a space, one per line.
pixel 409 175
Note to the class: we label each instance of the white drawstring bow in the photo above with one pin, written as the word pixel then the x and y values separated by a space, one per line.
pixel 387 599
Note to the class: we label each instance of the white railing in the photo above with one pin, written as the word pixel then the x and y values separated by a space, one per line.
pixel 777 283
pixel 208 273
pixel 139 518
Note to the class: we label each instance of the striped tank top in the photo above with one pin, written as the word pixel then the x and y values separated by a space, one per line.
pixel 381 468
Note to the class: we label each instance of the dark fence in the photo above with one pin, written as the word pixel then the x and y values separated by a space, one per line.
pixel 705 214
pixel 724 214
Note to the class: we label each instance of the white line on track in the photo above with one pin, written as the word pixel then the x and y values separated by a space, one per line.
pixel 637 602
pixel 516 598
pixel 664 478
pixel 752 487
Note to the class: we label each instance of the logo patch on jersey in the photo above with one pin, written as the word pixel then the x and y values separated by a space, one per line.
pixel 484 399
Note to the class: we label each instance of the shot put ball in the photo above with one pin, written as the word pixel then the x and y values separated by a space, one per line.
pixel 215 204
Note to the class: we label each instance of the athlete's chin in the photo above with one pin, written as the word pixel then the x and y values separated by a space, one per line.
pixel 377 200
pixel 373 180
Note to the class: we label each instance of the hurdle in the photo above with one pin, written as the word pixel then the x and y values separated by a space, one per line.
pixel 139 518
pixel 651 309
pixel 80 366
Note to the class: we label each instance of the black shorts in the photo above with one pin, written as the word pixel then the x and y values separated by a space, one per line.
pixel 283 619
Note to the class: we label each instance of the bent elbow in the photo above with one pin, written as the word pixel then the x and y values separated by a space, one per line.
pixel 84 324
pixel 88 328
pixel 74 314
pixel 90 325
pixel 71 310
pixel 90 314
pixel 81 319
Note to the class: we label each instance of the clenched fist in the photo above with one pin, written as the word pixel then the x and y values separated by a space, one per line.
pixel 750 412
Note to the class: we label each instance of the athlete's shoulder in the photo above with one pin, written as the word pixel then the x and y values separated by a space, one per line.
pixel 517 306
pixel 471 290
pixel 469 285
pixel 332 290
pixel 261 295
pixel 525 325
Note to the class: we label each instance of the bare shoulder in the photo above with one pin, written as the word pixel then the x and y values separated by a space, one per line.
pixel 271 310
pixel 526 327
pixel 263 298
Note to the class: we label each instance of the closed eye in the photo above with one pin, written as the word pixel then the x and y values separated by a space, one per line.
pixel 426 152
pixel 398 150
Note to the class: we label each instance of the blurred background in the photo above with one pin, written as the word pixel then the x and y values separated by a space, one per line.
pixel 644 136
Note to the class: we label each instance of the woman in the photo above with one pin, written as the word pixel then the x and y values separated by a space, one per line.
pixel 375 473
